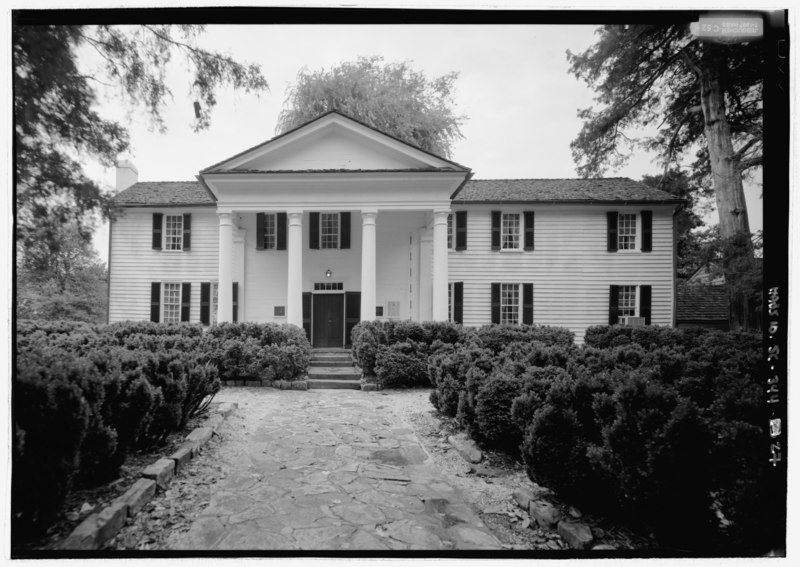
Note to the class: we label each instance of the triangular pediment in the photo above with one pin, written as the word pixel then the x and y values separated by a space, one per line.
pixel 334 142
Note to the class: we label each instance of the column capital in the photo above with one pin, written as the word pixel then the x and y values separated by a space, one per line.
pixel 368 216
pixel 295 216
pixel 225 217
pixel 440 216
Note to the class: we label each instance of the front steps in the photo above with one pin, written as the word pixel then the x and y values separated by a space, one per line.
pixel 333 369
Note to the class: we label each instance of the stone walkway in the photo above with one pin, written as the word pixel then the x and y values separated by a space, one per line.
pixel 328 470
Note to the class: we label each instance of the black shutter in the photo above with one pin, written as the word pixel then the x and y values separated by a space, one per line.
pixel 612 231
pixel 495 303
pixel 527 304
pixel 647 231
pixel 281 220
pixel 158 220
pixel 205 303
pixel 155 301
pixel 313 231
pixel 528 230
pixel 186 301
pixel 235 302
pixel 344 241
pixel 260 230
pixel 613 305
pixel 307 314
pixel 458 302
pixel 461 230
pixel 187 232
pixel 352 314
pixel 495 230
pixel 645 302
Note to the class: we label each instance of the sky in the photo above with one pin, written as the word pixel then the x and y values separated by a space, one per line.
pixel 513 85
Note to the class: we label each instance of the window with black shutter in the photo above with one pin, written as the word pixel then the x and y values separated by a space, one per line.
pixel 528 243
pixel 647 231
pixel 496 216
pixel 186 302
pixel 155 301
pixel 158 221
pixel 235 302
pixel 205 303
pixel 495 303
pixel 344 224
pixel 613 304
pixel 458 302
pixel 461 230
pixel 313 231
pixel 527 304
pixel 645 302
pixel 187 232
pixel 611 229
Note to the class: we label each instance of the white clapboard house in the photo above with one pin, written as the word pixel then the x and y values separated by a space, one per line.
pixel 335 222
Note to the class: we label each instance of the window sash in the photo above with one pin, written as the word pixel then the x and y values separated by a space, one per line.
pixel 627 301
pixel 509 304
pixel 450 302
pixel 171 303
pixel 510 231
pixel 173 232
pixel 626 231
pixel 329 230
pixel 214 302
pixel 450 231
pixel 270 231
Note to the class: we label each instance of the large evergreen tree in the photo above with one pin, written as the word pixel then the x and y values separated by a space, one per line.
pixel 390 97
pixel 56 122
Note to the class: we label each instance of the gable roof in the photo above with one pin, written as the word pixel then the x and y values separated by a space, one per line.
pixel 702 303
pixel 217 167
pixel 597 190
pixel 164 193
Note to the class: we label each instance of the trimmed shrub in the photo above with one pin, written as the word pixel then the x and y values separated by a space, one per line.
pixel 494 423
pixel 401 365
pixel 497 337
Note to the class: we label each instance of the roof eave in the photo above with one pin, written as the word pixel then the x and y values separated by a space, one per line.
pixel 565 201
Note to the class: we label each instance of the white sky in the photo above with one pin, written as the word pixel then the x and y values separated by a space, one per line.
pixel 513 85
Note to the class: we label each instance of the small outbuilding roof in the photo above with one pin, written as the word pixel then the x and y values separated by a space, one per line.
pixel 702 303
pixel 164 193
pixel 598 190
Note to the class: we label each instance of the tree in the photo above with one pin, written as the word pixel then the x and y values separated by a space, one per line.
pixel 56 120
pixel 699 95
pixel 392 98
pixel 70 283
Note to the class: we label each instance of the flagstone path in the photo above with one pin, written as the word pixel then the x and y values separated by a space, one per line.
pixel 328 470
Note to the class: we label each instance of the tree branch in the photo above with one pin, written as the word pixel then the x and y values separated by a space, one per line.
pixel 754 161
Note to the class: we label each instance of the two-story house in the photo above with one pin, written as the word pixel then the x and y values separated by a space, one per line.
pixel 335 222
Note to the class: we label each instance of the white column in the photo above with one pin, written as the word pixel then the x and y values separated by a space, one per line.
pixel 294 269
pixel 225 277
pixel 368 276
pixel 440 265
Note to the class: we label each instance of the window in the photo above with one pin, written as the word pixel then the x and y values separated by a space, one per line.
pixel 393 308
pixel 214 302
pixel 329 230
pixel 173 233
pixel 450 231
pixel 510 231
pixel 328 286
pixel 450 302
pixel 171 303
pixel 509 304
pixel 626 232
pixel 270 232
pixel 627 301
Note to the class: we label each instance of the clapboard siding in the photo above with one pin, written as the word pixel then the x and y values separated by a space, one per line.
pixel 570 267
pixel 134 263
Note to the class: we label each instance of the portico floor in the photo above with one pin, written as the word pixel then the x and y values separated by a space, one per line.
pixel 328 470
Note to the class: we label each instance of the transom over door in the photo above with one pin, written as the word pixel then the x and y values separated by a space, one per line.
pixel 328 325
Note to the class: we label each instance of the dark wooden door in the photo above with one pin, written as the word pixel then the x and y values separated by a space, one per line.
pixel 328 320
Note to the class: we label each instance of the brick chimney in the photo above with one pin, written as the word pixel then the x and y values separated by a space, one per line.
pixel 127 174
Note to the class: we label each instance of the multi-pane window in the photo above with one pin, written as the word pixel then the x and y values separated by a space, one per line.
pixel 509 304
pixel 173 235
pixel 329 230
pixel 270 237
pixel 450 231
pixel 214 302
pixel 627 300
pixel 510 230
pixel 627 231
pixel 171 303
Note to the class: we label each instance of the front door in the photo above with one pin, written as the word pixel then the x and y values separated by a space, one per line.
pixel 328 325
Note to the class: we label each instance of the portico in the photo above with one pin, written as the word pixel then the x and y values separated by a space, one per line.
pixel 373 229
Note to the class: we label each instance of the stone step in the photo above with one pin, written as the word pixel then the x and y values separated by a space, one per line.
pixel 334 373
pixel 331 363
pixel 318 384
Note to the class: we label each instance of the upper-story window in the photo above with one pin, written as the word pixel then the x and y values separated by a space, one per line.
pixel 329 230
pixel 450 231
pixel 173 232
pixel 270 231
pixel 626 235
pixel 510 229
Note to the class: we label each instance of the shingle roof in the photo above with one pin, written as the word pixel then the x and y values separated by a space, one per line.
pixel 154 193
pixel 702 303
pixel 560 190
